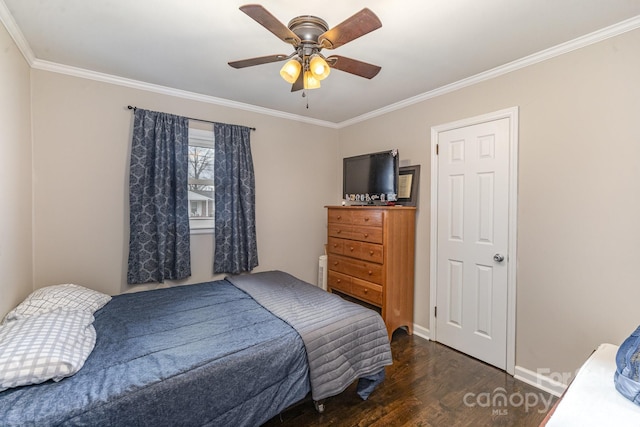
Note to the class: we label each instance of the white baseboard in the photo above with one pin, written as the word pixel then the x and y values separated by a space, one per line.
pixel 421 332
pixel 539 381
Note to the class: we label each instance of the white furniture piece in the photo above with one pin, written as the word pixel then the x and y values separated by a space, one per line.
pixel 592 398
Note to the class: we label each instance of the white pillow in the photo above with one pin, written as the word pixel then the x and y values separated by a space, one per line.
pixel 52 346
pixel 70 296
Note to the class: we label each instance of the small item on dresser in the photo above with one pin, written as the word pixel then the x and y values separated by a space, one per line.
pixel 627 376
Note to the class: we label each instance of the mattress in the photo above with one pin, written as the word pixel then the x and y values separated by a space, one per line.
pixel 592 399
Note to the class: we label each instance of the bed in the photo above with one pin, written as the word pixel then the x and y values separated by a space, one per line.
pixel 592 399
pixel 231 352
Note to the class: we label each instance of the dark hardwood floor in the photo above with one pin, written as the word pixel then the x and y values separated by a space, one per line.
pixel 429 384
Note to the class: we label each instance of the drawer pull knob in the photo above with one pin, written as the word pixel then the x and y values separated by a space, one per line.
pixel 335 262
pixel 366 219
pixel 351 248
pixel 370 252
pixel 339 216
pixel 339 231
pixel 339 281
pixel 370 272
pixel 335 245
pixel 366 234
pixel 366 291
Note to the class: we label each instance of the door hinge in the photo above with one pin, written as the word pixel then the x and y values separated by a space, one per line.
pixel 435 311
pixel 437 149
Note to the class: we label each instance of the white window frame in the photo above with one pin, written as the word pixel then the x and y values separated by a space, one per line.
pixel 201 138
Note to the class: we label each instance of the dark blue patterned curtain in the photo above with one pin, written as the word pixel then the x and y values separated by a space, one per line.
pixel 236 249
pixel 159 217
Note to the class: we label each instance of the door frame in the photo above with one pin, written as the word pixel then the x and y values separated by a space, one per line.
pixel 513 116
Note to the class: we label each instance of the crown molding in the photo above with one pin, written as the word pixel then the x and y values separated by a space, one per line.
pixel 561 49
pixel 16 34
pixel 137 84
pixel 597 36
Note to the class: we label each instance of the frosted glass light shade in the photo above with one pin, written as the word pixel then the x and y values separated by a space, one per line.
pixel 319 67
pixel 290 71
pixel 310 82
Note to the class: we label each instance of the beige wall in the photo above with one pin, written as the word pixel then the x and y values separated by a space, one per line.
pixel 15 175
pixel 579 187
pixel 82 133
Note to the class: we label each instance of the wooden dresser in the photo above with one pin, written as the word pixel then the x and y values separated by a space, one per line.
pixel 370 257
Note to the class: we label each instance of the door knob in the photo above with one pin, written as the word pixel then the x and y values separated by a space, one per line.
pixel 498 257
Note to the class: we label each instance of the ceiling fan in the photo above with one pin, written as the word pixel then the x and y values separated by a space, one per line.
pixel 306 66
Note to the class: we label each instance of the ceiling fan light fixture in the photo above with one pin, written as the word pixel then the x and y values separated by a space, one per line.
pixel 310 82
pixel 319 67
pixel 291 70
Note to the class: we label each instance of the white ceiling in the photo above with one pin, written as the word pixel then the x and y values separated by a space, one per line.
pixel 422 47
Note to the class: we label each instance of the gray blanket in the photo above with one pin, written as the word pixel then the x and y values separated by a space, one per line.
pixel 344 341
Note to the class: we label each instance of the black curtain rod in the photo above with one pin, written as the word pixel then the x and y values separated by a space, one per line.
pixel 190 118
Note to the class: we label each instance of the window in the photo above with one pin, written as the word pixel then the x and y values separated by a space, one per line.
pixel 201 206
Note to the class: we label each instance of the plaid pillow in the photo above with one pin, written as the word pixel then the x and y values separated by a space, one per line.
pixel 52 346
pixel 73 297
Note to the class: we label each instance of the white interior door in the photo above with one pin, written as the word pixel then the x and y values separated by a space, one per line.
pixel 473 239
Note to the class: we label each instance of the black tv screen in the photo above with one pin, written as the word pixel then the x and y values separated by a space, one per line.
pixel 371 178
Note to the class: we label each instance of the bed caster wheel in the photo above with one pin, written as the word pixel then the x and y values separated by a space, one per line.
pixel 319 406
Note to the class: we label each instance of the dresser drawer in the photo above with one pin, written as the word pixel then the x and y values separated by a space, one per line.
pixel 366 234
pixel 341 231
pixel 367 291
pixel 335 245
pixel 357 268
pixel 339 216
pixel 371 252
pixel 339 281
pixel 367 217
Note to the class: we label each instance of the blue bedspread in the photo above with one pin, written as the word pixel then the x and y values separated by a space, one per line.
pixel 204 354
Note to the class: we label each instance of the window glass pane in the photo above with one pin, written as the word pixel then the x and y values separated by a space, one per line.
pixel 200 162
pixel 201 205
pixel 201 201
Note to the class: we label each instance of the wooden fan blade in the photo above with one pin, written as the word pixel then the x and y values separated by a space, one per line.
pixel 271 23
pixel 257 61
pixel 353 66
pixel 299 83
pixel 358 25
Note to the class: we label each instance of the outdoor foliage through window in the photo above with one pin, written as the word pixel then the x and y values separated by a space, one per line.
pixel 201 154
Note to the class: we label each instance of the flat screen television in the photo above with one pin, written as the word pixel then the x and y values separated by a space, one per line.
pixel 371 178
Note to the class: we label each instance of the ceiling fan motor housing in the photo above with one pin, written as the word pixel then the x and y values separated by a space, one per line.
pixel 308 28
